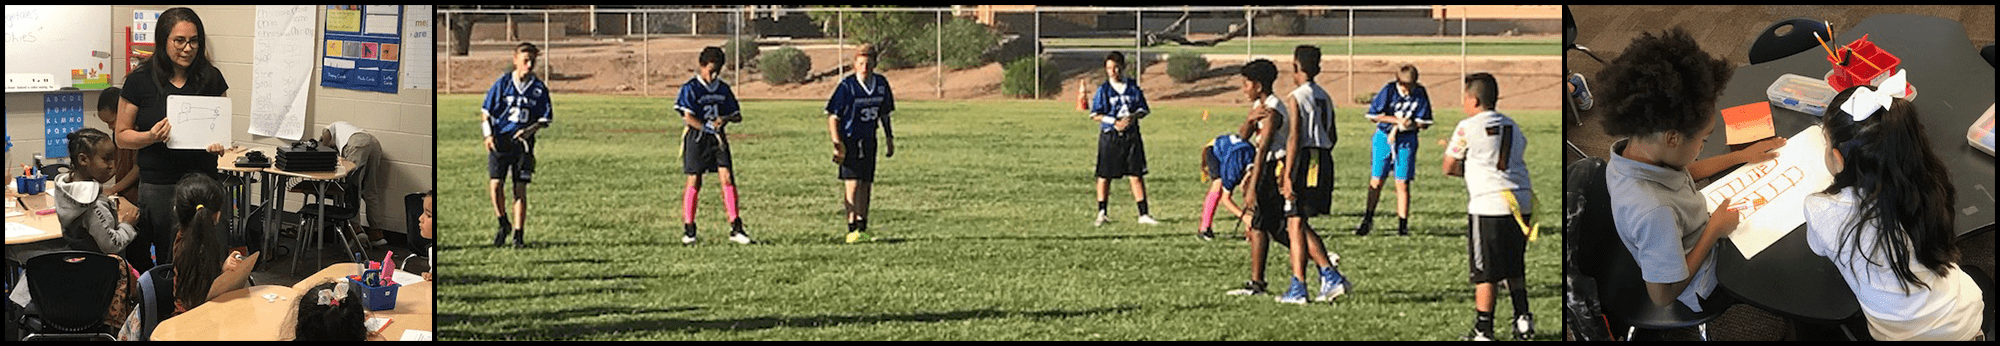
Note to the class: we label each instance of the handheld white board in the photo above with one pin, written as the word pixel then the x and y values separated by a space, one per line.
pixel 198 121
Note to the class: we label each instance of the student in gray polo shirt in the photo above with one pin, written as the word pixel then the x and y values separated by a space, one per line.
pixel 1651 173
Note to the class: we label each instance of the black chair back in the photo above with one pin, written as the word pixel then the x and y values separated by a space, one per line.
pixel 156 298
pixel 72 290
pixel 1769 45
pixel 1600 253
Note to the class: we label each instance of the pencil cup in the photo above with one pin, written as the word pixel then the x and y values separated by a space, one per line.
pixel 379 297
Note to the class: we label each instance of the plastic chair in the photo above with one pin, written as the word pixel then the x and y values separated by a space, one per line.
pixel 1771 46
pixel 1987 52
pixel 1601 254
pixel 338 214
pixel 71 293
pixel 156 298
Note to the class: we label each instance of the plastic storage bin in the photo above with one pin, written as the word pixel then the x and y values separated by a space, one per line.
pixel 1800 93
pixel 1980 135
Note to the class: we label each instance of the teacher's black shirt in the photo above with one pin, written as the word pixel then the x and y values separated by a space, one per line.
pixel 157 164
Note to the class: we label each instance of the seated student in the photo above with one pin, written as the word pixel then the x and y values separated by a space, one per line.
pixel 331 311
pixel 90 221
pixel 360 147
pixel 1658 212
pixel 199 204
pixel 1886 222
pixel 427 228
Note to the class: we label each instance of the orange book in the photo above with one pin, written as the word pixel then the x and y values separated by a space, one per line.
pixel 1748 123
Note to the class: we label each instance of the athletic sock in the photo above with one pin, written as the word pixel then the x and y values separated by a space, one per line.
pixel 1519 296
pixel 1208 208
pixel 688 203
pixel 1484 322
pixel 1101 205
pixel 687 229
pixel 850 227
pixel 1143 210
pixel 505 224
pixel 736 224
pixel 861 225
pixel 729 200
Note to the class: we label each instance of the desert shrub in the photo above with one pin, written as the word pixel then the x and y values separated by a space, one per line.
pixel 743 48
pixel 785 65
pixel 1019 78
pixel 1186 67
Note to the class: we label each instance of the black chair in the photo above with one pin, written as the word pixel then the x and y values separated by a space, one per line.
pixel 156 298
pixel 339 204
pixel 1771 46
pixel 1599 253
pixel 71 293
pixel 1987 52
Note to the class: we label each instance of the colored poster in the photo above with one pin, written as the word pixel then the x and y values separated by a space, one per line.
pixel 62 114
pixel 355 38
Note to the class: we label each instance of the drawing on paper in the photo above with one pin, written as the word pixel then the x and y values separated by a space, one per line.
pixel 1748 189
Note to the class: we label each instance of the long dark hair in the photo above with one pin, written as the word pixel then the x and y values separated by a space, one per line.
pixel 162 66
pixel 343 322
pixel 199 249
pixel 1904 191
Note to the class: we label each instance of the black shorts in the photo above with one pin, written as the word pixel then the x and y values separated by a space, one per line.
pixel 1312 183
pixel 1120 154
pixel 703 152
pixel 1497 247
pixel 860 161
pixel 1270 211
pixel 511 159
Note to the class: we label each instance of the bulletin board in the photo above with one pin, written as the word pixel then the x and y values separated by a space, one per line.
pixel 363 47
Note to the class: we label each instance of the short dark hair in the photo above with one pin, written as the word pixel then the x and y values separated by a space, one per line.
pixel 1261 71
pixel 84 142
pixel 1484 88
pixel 108 99
pixel 1407 74
pixel 1662 82
pixel 1308 58
pixel 712 55
pixel 1116 56
pixel 528 47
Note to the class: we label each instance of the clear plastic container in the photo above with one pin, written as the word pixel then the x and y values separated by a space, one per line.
pixel 1980 134
pixel 1800 93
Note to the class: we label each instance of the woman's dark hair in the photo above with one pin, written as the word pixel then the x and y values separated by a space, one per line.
pixel 1904 190
pixel 1661 83
pixel 341 322
pixel 199 249
pixel 199 70
pixel 1262 72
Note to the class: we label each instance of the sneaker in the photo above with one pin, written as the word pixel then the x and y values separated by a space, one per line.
pixel 1524 327
pixel 1362 229
pixel 500 238
pixel 1148 220
pixel 1582 93
pixel 518 242
pixel 1250 288
pixel 1403 229
pixel 1206 234
pixel 1331 284
pixel 687 237
pixel 739 236
pixel 1296 294
pixel 855 237
pixel 1101 219
pixel 1478 335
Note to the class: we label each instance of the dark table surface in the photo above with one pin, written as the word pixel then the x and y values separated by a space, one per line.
pixel 1954 86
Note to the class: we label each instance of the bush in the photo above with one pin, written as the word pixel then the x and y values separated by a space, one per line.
pixel 909 39
pixel 1186 66
pixel 1019 78
pixel 742 48
pixel 966 43
pixel 785 65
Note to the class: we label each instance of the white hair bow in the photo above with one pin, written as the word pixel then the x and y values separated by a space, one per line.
pixel 333 296
pixel 1865 101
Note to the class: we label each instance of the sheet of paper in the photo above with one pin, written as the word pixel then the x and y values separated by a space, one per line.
pixel 282 71
pixel 198 121
pixel 417 34
pixel 22 230
pixel 406 278
pixel 375 324
pixel 1748 123
pixel 416 335
pixel 1775 191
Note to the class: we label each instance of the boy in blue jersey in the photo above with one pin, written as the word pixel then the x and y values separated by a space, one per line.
pixel 516 107
pixel 706 105
pixel 1400 110
pixel 853 111
pixel 1117 107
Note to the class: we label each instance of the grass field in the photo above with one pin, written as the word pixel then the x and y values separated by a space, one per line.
pixel 1337 45
pixel 983 218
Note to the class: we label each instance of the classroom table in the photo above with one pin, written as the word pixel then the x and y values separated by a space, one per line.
pixel 246 315
pixel 22 247
pixel 1954 85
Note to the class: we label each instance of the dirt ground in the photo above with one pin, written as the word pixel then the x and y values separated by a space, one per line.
pixel 610 67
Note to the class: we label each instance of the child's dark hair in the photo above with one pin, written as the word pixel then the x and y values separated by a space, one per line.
pixel 84 142
pixel 1904 190
pixel 1407 75
pixel 199 249
pixel 1117 57
pixel 1484 88
pixel 108 99
pixel 1662 83
pixel 527 47
pixel 1262 72
pixel 1308 58
pixel 712 55
pixel 340 319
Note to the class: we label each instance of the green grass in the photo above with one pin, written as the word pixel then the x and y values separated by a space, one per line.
pixel 1337 45
pixel 984 225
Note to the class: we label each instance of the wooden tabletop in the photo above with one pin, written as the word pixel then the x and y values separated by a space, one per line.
pixel 49 224
pixel 247 315
pixel 226 161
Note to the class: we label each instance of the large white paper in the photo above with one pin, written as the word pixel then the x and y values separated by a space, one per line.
pixel 283 70
pixel 417 38
pixel 15 230
pixel 1775 189
pixel 198 121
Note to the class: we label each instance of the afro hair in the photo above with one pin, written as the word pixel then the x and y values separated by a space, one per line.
pixel 1662 83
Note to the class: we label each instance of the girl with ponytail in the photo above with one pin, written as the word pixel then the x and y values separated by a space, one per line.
pixel 199 204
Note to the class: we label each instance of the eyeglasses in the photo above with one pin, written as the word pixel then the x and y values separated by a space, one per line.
pixel 187 42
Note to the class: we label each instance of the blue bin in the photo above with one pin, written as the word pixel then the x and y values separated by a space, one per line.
pixel 378 298
pixel 29 186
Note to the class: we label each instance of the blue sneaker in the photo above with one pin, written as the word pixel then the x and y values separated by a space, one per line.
pixel 1296 294
pixel 1331 284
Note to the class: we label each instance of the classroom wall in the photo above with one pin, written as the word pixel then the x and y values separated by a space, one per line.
pixel 402 122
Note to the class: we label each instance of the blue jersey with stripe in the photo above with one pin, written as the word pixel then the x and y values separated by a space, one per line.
pixel 1389 102
pixel 707 101
pixel 859 107
pixel 512 106
pixel 1118 103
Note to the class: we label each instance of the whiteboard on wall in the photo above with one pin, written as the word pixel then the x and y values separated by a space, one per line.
pixel 57 39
